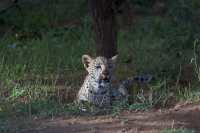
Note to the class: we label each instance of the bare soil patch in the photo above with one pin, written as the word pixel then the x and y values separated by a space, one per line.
pixel 153 121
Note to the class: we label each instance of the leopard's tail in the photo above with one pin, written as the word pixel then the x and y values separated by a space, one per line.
pixel 141 79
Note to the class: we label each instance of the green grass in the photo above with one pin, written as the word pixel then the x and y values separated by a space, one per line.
pixel 178 131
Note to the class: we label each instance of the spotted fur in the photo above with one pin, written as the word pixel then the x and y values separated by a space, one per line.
pixel 97 87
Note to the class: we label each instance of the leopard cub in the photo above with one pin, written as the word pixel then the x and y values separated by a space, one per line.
pixel 97 87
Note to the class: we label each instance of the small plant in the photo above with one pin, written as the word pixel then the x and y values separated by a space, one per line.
pixel 195 59
pixel 117 107
pixel 71 109
pixel 178 131
pixel 139 106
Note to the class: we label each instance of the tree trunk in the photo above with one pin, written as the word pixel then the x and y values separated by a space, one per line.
pixel 104 22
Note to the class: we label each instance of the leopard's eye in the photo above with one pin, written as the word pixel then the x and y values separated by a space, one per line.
pixel 98 67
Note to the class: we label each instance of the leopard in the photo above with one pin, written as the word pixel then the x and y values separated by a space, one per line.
pixel 98 87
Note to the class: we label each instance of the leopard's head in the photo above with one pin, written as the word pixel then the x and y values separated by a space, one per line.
pixel 100 67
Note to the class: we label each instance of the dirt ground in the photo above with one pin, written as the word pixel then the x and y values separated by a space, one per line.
pixel 153 121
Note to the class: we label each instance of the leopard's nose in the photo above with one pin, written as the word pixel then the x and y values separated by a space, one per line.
pixel 105 72
pixel 105 76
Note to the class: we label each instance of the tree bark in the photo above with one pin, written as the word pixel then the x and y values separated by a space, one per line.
pixel 105 27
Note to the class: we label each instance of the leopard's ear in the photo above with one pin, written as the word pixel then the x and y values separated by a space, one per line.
pixel 86 60
pixel 114 59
